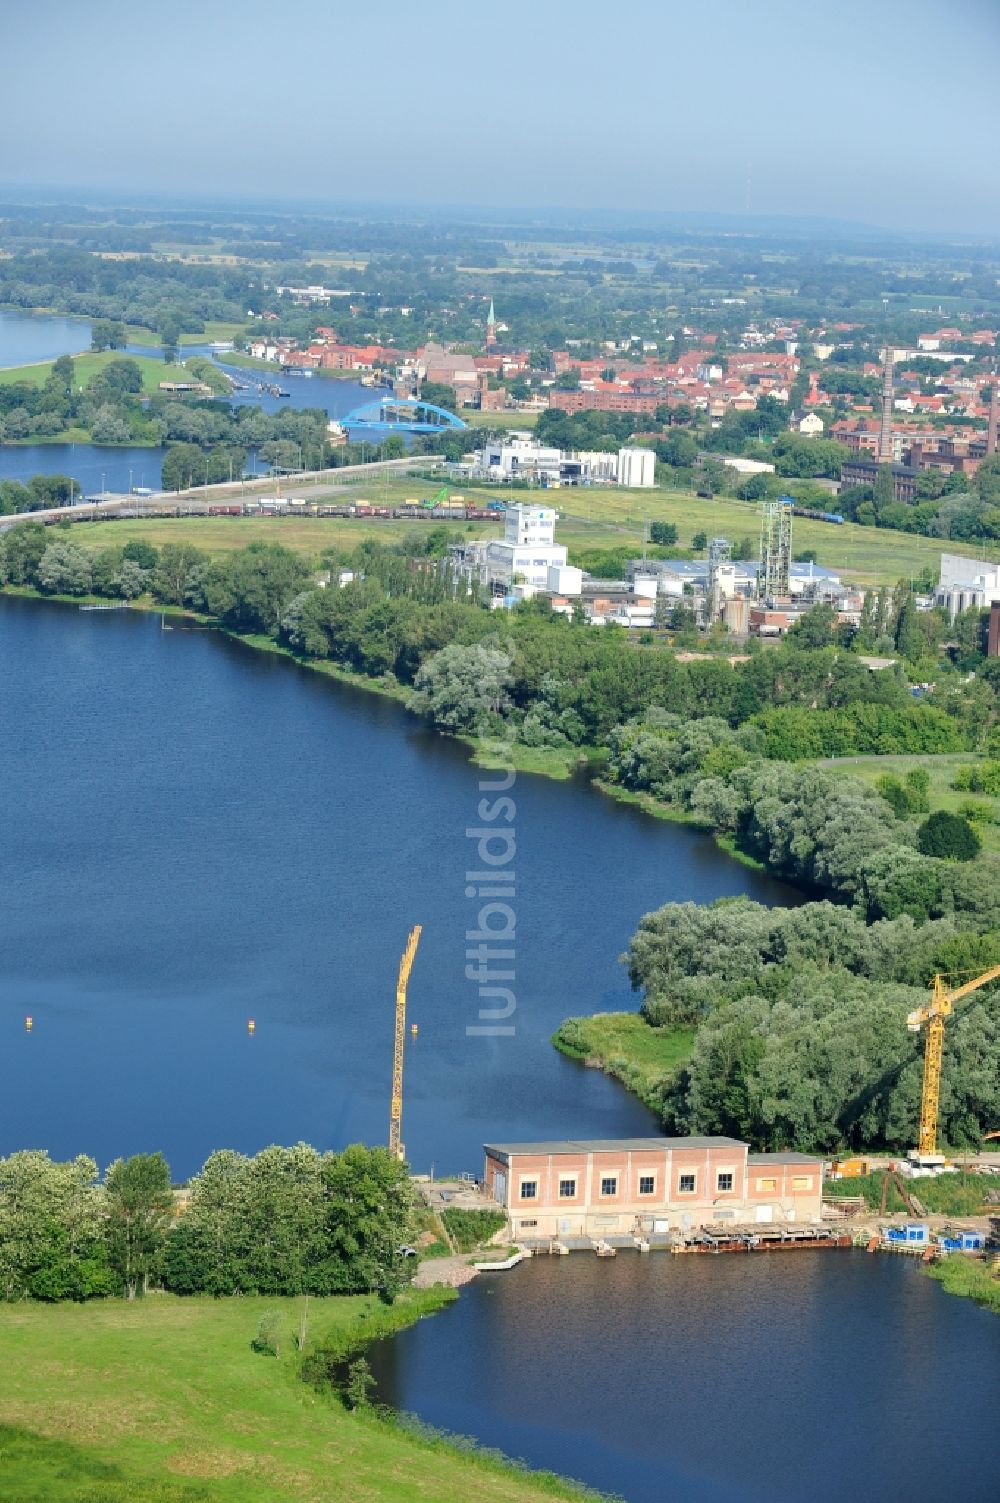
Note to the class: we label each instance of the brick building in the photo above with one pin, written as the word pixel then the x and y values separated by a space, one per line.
pixel 603 401
pixel 608 1187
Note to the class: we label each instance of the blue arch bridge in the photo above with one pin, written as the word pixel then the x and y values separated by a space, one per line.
pixel 390 414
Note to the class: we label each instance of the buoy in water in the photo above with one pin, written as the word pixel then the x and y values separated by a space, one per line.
pixel 29 1023
pixel 251 1026
pixel 413 1029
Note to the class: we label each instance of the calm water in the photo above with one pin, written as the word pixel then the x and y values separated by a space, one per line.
pixel 40 336
pixel 195 834
pixel 816 1376
pixel 93 466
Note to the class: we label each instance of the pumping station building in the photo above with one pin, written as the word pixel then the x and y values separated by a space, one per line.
pixel 601 1188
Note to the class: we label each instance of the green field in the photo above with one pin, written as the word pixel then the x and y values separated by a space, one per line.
pixel 163 1401
pixel 85 366
pixel 597 518
pixel 477 419
pixel 866 554
pixel 942 770
pixel 215 330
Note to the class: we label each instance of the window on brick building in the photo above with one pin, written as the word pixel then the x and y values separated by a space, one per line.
pixel 567 1189
pixel 767 1184
pixel 529 1189
pixel 609 1184
pixel 686 1184
pixel 647 1184
pixel 802 1182
pixel 725 1182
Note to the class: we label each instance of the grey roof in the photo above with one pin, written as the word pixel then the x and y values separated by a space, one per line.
pixel 609 1145
pixel 783 1158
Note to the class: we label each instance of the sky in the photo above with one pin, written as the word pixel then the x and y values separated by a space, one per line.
pixel 880 111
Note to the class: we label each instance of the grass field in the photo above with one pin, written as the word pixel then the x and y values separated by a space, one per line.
pixel 164 1400
pixel 215 331
pixel 865 554
pixel 942 770
pixel 85 366
pixel 597 518
pixel 477 419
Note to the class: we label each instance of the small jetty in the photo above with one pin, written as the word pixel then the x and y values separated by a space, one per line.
pixel 708 1239
pixel 756 1239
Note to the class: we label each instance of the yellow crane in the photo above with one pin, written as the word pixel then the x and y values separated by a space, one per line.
pixel 396 1110
pixel 933 1014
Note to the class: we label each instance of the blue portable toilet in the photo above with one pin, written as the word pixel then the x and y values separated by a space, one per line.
pixel 915 1233
pixel 972 1241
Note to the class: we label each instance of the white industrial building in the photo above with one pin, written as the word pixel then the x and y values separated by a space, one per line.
pixel 966 582
pixel 636 468
pixel 518 456
pixel 527 552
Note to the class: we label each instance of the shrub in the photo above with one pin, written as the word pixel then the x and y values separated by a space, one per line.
pixel 469 1229
pixel 948 836
pixel 984 778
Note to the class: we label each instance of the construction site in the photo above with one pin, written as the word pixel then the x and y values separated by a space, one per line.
pixel 712 1194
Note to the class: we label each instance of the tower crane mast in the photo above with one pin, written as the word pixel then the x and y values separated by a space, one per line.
pixel 396 1109
pixel 932 1014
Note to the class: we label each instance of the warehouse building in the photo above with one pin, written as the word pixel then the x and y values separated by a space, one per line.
pixel 620 1187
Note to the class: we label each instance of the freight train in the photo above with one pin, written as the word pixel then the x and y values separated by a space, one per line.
pixel 817 516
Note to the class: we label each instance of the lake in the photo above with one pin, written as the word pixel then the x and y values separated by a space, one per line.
pixel 769 1378
pixel 196 833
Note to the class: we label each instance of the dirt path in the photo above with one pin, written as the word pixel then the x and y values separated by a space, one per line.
pixel 453 1271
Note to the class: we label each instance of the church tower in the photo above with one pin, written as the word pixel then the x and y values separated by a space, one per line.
pixel 491 329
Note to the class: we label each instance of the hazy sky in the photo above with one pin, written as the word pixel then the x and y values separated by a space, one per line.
pixel 883 111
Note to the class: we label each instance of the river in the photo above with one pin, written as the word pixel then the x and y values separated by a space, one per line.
pixel 28 337
pixel 196 834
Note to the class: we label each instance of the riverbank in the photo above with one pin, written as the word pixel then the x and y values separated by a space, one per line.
pixel 969 1278
pixel 155 1397
pixel 623 1045
pixel 87 365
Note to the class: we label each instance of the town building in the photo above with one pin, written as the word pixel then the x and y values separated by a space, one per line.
pixel 856 471
pixel 608 1187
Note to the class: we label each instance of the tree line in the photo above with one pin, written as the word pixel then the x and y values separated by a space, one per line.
pixel 562 683
pixel 284 1221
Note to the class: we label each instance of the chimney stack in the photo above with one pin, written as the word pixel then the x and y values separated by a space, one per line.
pixel 885 426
